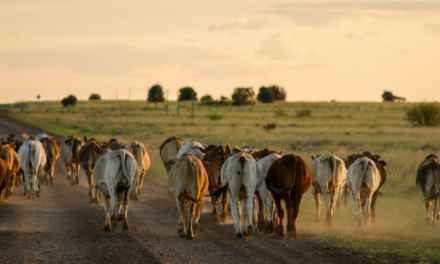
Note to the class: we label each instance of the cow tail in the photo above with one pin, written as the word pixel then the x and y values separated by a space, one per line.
pixel 188 191
pixel 31 157
pixel 124 170
pixel 334 170
pixel 434 170
pixel 139 155
pixel 50 154
pixel 365 165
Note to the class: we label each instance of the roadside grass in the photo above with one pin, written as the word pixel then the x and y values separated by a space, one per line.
pixel 342 128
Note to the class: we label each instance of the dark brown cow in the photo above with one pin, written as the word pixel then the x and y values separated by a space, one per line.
pixel 288 178
pixel 169 149
pixel 52 151
pixel 380 164
pixel 216 156
pixel 5 175
pixel 114 144
pixel 263 153
pixel 8 154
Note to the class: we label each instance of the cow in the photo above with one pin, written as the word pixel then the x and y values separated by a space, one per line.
pixel 52 151
pixel 288 178
pixel 69 150
pixel 114 144
pixel 114 175
pixel 428 182
pixel 188 146
pixel 143 159
pixel 363 180
pixel 88 155
pixel 188 182
pixel 41 136
pixel 216 157
pixel 259 154
pixel 249 150
pixel 241 177
pixel 169 149
pixel 32 162
pixel 5 176
pixel 328 178
pixel 267 207
pixel 380 165
pixel 18 140
pixel 8 154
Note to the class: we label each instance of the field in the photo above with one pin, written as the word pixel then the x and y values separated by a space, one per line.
pixel 400 232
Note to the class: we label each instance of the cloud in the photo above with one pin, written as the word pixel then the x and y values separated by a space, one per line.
pixel 356 36
pixel 324 14
pixel 233 25
pixel 431 27
pixel 275 47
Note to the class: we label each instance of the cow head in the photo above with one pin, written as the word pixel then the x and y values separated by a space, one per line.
pixel 228 150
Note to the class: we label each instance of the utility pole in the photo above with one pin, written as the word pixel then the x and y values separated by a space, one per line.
pixel 192 105
pixel 177 103
pixel 166 107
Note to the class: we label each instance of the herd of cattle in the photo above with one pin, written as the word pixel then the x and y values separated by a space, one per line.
pixel 253 182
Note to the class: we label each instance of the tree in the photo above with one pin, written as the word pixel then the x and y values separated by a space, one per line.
pixel 155 90
pixel 207 100
pixel 279 92
pixel 70 100
pixel 94 97
pixel 388 96
pixel 224 100
pixel 185 94
pixel 266 95
pixel 243 96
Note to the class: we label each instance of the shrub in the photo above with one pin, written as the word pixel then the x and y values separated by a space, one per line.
pixel 70 100
pixel 388 96
pixel 266 95
pixel 243 96
pixel 270 126
pixel 280 112
pixel 155 90
pixel 224 101
pixel 214 117
pixel 278 91
pixel 304 112
pixel 207 100
pixel 95 97
pixel 426 114
pixel 185 94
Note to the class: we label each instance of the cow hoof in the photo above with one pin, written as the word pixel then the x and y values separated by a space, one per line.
pixel 239 236
pixel 106 228
pixel 196 226
pixel 250 230
pixel 223 218
pixel 245 234
pixel 120 217
pixel 215 218
pixel 291 235
pixel 125 226
pixel 189 236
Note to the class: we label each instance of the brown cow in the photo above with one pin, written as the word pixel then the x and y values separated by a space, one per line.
pixel 18 140
pixel 8 154
pixel 114 144
pixel 288 178
pixel 263 153
pixel 52 151
pixel 5 175
pixel 88 156
pixel 169 149
pixel 380 165
pixel 216 156
pixel 69 150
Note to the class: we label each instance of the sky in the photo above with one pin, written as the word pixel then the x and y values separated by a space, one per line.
pixel 317 50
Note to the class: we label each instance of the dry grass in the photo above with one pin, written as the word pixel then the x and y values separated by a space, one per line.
pixel 342 128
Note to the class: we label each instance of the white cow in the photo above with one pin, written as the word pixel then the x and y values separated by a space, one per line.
pixel 69 153
pixel 188 182
pixel 241 177
pixel 41 136
pixel 143 159
pixel 329 175
pixel 115 175
pixel 268 203
pixel 363 179
pixel 187 147
pixel 32 163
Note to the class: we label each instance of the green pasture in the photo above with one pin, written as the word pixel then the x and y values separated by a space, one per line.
pixel 341 128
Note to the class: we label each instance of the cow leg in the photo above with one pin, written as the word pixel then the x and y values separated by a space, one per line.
pixel 126 197
pixel 197 216
pixel 96 194
pixel 69 171
pixel 34 183
pixel 355 206
pixel 345 194
pixel 77 180
pixel 10 187
pixel 289 208
pixel 428 209
pixel 117 216
pixel 317 204
pixel 279 230
pixel 114 198
pixel 267 209
pixel 89 175
pixel 236 214
pixel 108 210
pixel 325 194
pixel 51 173
pixel 373 207
pixel 224 206
pixel 140 183
pixel 191 213
pixel 72 175
pixel 261 210
pixel 367 209
pixel 358 202
pixel 296 200
pixel 181 226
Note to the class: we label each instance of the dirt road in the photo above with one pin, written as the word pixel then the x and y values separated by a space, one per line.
pixel 62 227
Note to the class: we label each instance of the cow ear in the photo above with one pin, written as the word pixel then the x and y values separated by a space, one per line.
pixel 383 163
pixel 376 157
pixel 252 152
pixel 280 152
pixel 228 150
pixel 172 162
pixel 205 164
pixel 312 156
pixel 85 138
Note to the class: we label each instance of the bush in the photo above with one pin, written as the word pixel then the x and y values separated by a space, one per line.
pixel 280 112
pixel 270 126
pixel 304 112
pixel 224 101
pixel 214 117
pixel 70 100
pixel 21 105
pixel 207 100
pixel 152 94
pixel 388 96
pixel 243 96
pixel 185 94
pixel 95 97
pixel 278 91
pixel 266 95
pixel 424 115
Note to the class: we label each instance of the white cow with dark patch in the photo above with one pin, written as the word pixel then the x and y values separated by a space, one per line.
pixel 428 182
pixel 32 163
pixel 268 203
pixel 115 175
pixel 241 177
pixel 188 146
pixel 329 175
pixel 69 153
pixel 363 179
pixel 143 159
